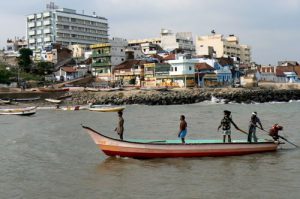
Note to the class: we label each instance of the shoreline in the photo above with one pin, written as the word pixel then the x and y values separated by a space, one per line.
pixel 168 97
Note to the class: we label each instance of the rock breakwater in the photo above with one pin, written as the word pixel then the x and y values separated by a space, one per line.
pixel 186 96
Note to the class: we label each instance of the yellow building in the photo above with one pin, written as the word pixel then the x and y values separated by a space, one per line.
pixel 223 47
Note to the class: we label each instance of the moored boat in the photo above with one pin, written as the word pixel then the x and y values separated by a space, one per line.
pixel 174 148
pixel 18 111
pixel 91 89
pixel 106 108
pixel 54 89
pixel 53 100
pixel 26 99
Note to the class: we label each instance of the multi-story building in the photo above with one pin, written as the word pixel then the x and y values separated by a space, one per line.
pixel 179 42
pixel 223 47
pixel 14 45
pixel 106 56
pixel 64 26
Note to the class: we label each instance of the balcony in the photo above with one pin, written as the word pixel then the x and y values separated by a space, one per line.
pixel 31 41
pixel 46 14
pixel 31 25
pixel 31 17
pixel 100 55
pixel 46 23
pixel 101 64
pixel 31 33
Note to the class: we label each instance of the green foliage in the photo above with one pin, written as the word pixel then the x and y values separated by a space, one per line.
pixel 43 68
pixel 24 60
pixel 4 75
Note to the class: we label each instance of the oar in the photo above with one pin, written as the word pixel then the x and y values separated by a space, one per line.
pixel 280 137
pixel 242 131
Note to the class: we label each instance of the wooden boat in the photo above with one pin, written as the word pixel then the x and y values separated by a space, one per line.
pixel 174 148
pixel 53 100
pixel 54 89
pixel 64 97
pixel 91 89
pixel 110 89
pixel 26 99
pixel 106 108
pixel 5 101
pixel 18 111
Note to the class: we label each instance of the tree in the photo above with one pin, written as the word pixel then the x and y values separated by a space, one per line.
pixel 43 68
pixel 24 59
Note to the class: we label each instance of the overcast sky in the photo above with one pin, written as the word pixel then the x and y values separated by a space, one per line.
pixel 270 27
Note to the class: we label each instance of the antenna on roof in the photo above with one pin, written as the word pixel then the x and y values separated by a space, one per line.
pixel 51 6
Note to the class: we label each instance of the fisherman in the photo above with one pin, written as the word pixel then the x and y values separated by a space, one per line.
pixel 120 128
pixel 182 128
pixel 226 125
pixel 252 127
pixel 273 132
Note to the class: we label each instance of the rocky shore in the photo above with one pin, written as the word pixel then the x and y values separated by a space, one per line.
pixel 168 97
pixel 186 96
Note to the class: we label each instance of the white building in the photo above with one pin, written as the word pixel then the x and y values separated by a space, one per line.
pixel 64 26
pixel 181 42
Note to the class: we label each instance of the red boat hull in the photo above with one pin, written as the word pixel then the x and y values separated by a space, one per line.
pixel 114 147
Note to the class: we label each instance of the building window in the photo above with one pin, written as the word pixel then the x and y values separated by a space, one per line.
pixel 175 69
pixel 190 68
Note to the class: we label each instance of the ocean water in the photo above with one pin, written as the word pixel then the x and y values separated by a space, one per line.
pixel 49 155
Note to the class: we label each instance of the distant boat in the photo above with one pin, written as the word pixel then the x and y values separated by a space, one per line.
pixel 54 89
pixel 56 101
pixel 174 148
pixel 18 111
pixel 26 99
pixel 111 89
pixel 5 101
pixel 64 96
pixel 91 89
pixel 106 108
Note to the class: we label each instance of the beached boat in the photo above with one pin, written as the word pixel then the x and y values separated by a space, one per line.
pixel 111 89
pixel 5 101
pixel 56 101
pixel 29 99
pixel 64 96
pixel 174 148
pixel 54 89
pixel 91 89
pixel 18 111
pixel 106 108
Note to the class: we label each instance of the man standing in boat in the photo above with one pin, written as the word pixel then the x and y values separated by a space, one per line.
pixel 120 128
pixel 226 125
pixel 252 127
pixel 182 128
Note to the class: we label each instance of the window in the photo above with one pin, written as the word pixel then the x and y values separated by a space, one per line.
pixel 190 68
pixel 175 69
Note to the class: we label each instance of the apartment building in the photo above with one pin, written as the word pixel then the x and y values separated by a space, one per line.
pixel 106 56
pixel 173 42
pixel 223 47
pixel 64 26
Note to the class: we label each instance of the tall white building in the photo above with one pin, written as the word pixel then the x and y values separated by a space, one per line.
pixel 64 26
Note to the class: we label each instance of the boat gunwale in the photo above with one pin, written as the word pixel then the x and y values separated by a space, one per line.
pixel 160 142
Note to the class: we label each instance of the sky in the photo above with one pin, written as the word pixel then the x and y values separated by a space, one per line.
pixel 270 27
